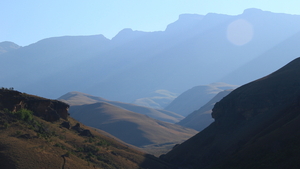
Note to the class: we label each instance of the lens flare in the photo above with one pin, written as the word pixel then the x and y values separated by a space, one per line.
pixel 240 32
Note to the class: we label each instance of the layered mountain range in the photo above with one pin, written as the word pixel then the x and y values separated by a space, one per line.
pixel 194 50
pixel 140 126
pixel 255 127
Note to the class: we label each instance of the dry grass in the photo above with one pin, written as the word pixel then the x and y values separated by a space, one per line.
pixel 44 149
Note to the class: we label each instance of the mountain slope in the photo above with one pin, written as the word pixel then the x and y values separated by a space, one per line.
pixel 196 97
pixel 78 98
pixel 201 118
pixel 133 128
pixel 288 48
pixel 255 127
pixel 29 140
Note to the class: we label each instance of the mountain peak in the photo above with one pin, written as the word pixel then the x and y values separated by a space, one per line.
pixel 252 10
pixel 7 46
pixel 127 34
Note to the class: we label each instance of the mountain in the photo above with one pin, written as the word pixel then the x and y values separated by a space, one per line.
pixel 256 126
pixel 77 98
pixel 195 49
pixel 201 118
pixel 38 133
pixel 196 97
pixel 287 48
pixel 133 128
pixel 158 99
pixel 8 46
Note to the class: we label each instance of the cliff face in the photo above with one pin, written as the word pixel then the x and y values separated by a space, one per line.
pixel 255 125
pixel 49 110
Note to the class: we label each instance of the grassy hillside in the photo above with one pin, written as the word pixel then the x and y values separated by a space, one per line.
pixel 29 141
pixel 152 135
pixel 78 98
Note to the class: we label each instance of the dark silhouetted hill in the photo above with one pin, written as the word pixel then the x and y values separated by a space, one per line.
pixel 202 118
pixel 256 126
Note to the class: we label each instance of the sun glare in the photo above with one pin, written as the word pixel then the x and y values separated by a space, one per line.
pixel 240 32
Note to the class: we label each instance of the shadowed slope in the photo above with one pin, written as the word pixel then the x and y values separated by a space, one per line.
pixel 256 126
pixel 201 118
pixel 194 98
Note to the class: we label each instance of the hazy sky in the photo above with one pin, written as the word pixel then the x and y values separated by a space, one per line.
pixel 28 21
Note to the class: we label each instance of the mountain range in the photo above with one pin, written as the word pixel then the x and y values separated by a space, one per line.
pixel 255 127
pixel 194 50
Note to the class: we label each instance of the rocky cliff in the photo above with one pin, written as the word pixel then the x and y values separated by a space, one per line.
pixel 49 110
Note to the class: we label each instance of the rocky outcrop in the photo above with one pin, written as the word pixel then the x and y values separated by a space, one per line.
pixel 49 110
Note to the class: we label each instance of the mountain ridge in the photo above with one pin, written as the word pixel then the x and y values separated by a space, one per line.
pixel 251 113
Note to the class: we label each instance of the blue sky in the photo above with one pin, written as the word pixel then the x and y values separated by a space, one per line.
pixel 28 21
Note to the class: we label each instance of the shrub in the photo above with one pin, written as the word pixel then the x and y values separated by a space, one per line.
pixel 24 114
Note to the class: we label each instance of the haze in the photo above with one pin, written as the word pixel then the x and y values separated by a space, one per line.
pixel 26 22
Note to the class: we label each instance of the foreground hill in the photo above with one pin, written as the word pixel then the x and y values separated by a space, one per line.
pixel 78 98
pixel 256 126
pixel 201 118
pixel 37 133
pixel 196 97
pixel 137 129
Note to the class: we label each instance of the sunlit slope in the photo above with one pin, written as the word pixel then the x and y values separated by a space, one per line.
pixel 133 128
pixel 78 98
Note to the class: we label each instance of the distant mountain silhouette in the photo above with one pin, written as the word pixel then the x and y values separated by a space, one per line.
pixel 133 128
pixel 196 97
pixel 289 48
pixel 77 98
pixel 202 118
pixel 256 126
pixel 196 49
pixel 8 46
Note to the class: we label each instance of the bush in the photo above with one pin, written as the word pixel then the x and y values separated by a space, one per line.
pixel 24 114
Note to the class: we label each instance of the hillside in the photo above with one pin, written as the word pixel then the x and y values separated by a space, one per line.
pixel 78 98
pixel 37 133
pixel 152 135
pixel 194 98
pixel 256 126
pixel 202 118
